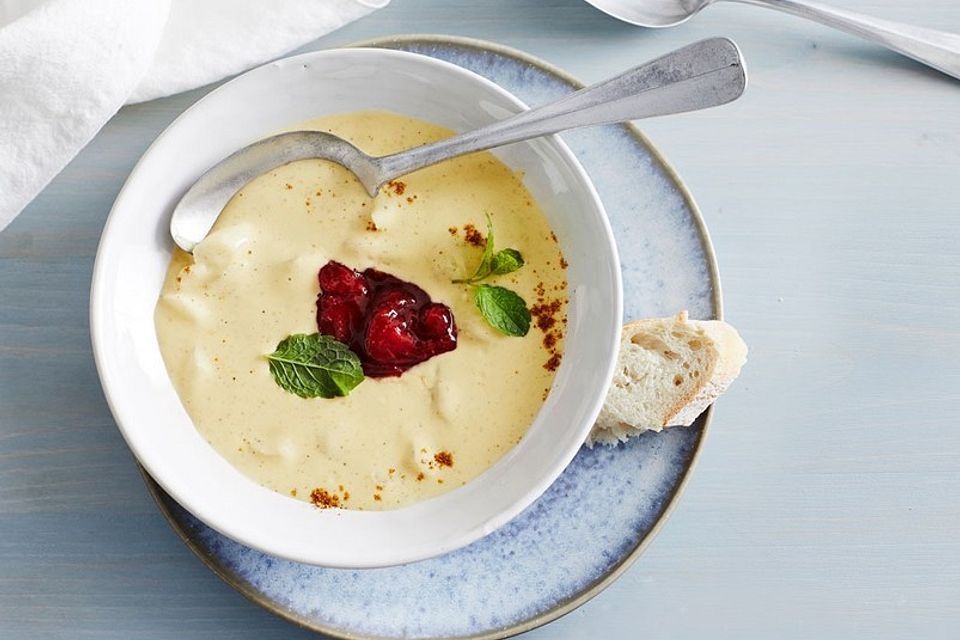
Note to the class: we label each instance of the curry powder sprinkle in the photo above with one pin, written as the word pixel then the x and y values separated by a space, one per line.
pixel 553 363
pixel 322 499
pixel 545 314
pixel 443 458
pixel 549 341
pixel 473 236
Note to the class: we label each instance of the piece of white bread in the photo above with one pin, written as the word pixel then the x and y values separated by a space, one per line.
pixel 669 370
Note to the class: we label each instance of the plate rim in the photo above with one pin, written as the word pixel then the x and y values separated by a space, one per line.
pixel 561 609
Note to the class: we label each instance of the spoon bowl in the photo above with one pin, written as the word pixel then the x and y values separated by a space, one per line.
pixel 201 204
pixel 654 14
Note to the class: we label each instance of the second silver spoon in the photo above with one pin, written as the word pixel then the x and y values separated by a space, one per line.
pixel 937 49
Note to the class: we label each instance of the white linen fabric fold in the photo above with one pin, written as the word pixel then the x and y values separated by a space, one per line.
pixel 66 66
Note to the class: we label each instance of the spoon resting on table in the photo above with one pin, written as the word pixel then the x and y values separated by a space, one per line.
pixel 702 75
pixel 937 49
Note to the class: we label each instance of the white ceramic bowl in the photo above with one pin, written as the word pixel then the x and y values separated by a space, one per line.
pixel 135 250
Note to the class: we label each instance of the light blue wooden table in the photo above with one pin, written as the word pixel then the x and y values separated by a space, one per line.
pixel 826 501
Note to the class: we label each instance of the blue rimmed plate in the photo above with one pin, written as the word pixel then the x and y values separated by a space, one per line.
pixel 600 514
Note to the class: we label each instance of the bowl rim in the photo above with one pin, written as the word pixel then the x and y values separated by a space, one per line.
pixel 245 534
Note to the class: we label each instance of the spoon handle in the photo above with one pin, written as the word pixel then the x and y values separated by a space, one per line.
pixel 704 74
pixel 937 49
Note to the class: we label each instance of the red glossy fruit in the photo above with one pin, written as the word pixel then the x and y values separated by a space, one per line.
pixel 341 318
pixel 341 280
pixel 389 323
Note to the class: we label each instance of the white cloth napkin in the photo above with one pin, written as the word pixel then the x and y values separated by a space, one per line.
pixel 66 66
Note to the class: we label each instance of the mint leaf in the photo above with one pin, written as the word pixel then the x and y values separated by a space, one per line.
pixel 506 261
pixel 503 309
pixel 314 365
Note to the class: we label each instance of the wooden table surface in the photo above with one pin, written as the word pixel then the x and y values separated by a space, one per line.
pixel 826 501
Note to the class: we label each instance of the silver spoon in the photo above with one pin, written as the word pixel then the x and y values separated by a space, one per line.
pixel 937 49
pixel 701 75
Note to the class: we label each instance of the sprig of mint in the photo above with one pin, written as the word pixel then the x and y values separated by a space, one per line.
pixel 503 309
pixel 315 365
pixel 493 263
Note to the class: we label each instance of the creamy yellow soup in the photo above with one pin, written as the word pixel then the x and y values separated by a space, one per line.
pixel 253 281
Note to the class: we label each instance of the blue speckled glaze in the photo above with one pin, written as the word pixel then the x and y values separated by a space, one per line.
pixel 603 505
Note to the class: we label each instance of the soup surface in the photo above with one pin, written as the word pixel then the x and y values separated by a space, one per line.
pixel 253 281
